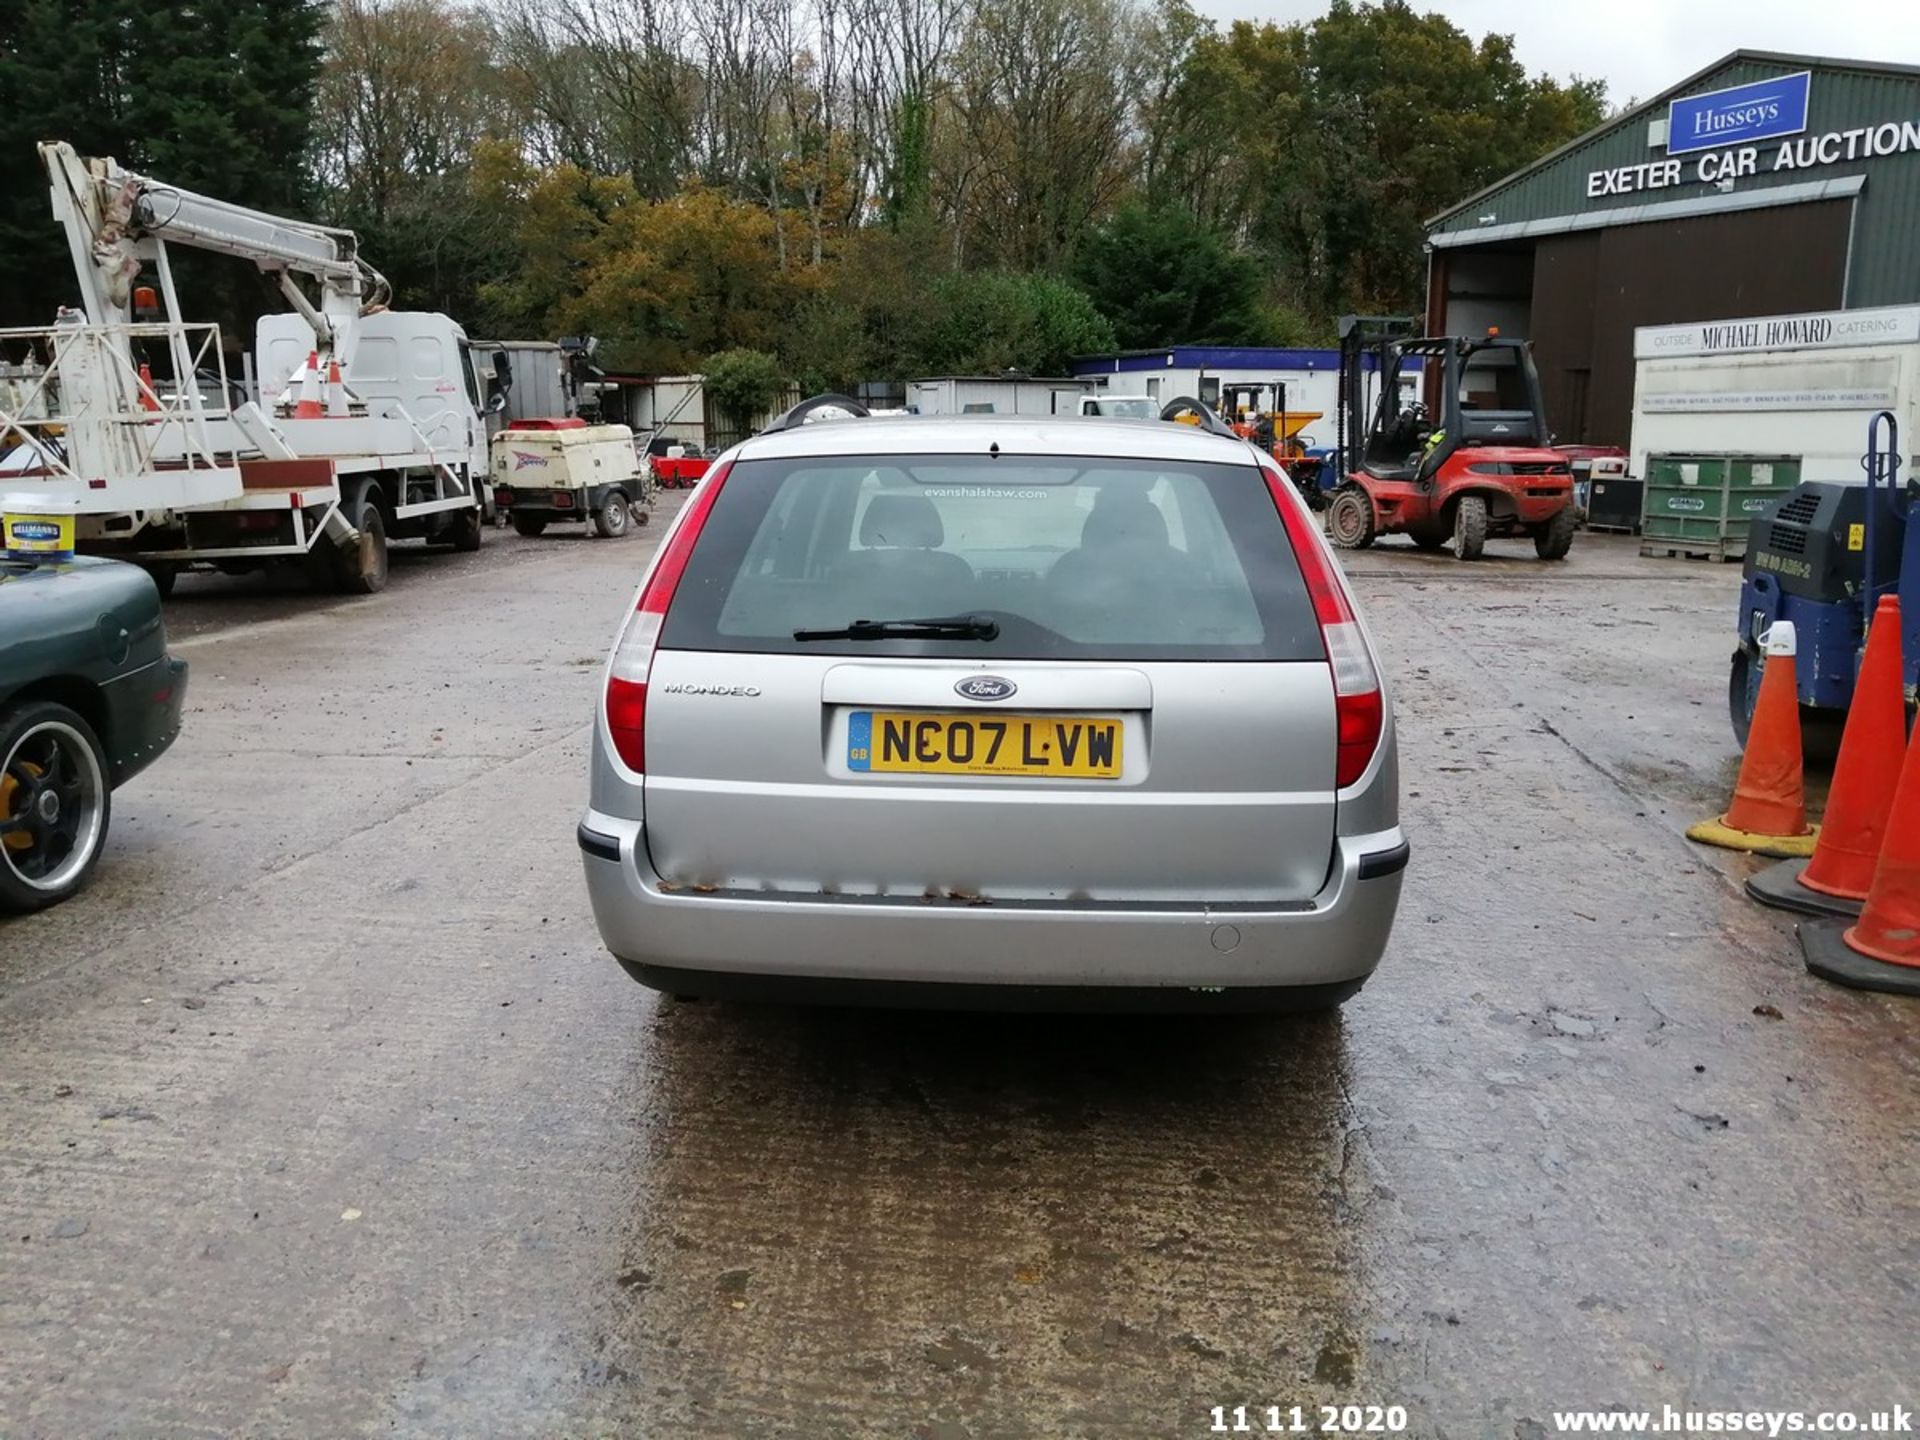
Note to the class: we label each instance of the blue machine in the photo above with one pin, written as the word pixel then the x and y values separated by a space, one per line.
pixel 1332 471
pixel 1822 557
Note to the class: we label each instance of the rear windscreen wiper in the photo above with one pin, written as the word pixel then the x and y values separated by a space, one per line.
pixel 943 627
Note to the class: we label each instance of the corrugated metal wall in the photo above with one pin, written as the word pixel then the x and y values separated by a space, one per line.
pixel 1591 289
pixel 1886 255
pixel 1886 240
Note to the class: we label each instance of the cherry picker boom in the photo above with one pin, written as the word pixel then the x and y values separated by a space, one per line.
pixel 373 429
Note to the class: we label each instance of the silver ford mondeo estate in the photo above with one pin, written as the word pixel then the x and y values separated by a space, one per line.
pixel 995 711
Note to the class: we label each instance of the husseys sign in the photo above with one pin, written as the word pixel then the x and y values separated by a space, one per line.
pixel 1756 129
pixel 1760 111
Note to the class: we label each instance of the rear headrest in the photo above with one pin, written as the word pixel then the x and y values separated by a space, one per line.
pixel 1119 518
pixel 902 522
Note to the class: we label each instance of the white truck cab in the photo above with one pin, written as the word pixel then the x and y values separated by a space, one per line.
pixel 407 367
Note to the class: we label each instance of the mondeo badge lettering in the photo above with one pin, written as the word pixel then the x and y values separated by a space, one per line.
pixel 985 687
pixel 748 691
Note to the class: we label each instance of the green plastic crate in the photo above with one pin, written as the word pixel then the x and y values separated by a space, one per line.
pixel 1701 505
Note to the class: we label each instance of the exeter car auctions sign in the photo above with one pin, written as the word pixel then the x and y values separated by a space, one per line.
pixel 1734 133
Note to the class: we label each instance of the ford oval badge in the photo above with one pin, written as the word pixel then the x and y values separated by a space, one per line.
pixel 985 687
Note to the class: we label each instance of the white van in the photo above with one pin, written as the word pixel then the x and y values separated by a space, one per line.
pixel 1121 407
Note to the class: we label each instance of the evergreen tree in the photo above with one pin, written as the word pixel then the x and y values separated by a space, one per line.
pixel 1163 278
pixel 212 95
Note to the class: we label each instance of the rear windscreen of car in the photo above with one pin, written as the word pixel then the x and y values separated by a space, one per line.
pixel 1073 559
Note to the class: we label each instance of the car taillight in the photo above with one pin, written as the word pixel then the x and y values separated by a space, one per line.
pixel 626 698
pixel 1359 711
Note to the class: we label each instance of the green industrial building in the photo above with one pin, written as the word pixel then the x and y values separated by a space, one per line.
pixel 1763 185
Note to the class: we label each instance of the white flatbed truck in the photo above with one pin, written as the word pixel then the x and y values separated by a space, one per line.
pixel 375 430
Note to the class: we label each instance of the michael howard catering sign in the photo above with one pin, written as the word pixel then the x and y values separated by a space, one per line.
pixel 1758 111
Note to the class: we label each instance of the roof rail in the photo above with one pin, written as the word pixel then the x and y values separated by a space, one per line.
pixel 797 416
pixel 1204 418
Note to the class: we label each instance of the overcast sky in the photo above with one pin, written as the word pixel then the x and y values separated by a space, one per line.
pixel 1642 46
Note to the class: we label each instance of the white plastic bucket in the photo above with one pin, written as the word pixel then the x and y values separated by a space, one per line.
pixel 38 527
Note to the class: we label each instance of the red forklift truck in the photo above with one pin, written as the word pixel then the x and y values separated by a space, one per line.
pixel 1444 438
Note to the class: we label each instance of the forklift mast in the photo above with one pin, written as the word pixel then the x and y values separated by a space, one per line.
pixel 1511 411
pixel 1361 335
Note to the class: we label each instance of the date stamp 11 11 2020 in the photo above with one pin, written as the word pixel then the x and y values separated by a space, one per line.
pixel 1307 1420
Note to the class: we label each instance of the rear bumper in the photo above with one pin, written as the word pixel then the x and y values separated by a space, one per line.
pixel 1334 940
pixel 1531 508
pixel 143 716
pixel 580 504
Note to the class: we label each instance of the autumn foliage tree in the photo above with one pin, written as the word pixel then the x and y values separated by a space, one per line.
pixel 409 93
pixel 1195 184
pixel 1325 146
pixel 662 283
pixel 861 188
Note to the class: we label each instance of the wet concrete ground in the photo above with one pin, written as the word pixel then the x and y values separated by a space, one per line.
pixel 324 1113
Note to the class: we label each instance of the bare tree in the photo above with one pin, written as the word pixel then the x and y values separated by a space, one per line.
pixel 557 88
pixel 924 34
pixel 1042 93
pixel 406 91
pixel 611 82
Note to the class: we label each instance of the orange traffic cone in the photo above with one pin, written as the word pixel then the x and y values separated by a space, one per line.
pixel 336 391
pixel 1882 949
pixel 1769 811
pixel 309 406
pixel 1835 880
pixel 148 400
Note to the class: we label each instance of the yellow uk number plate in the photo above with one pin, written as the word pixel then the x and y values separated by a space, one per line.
pixel 1076 747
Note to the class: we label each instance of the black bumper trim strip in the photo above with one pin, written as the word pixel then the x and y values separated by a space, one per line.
pixel 1383 862
pixel 604 847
